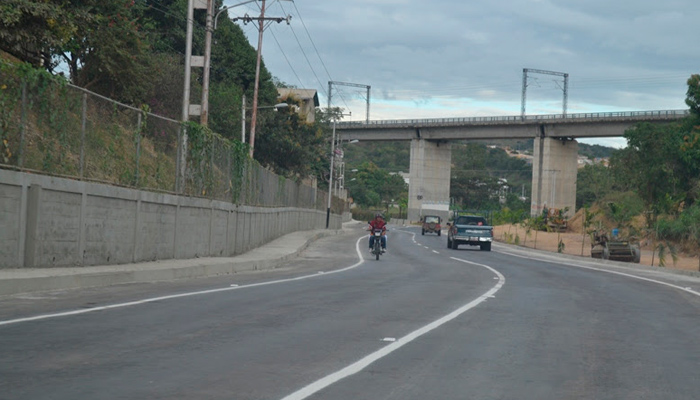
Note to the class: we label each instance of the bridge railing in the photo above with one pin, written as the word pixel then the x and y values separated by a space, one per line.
pixel 658 114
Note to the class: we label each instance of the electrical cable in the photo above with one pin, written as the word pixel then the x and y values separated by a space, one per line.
pixel 298 13
pixel 286 59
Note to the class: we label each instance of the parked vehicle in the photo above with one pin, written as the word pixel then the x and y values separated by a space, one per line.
pixel 615 249
pixel 431 224
pixel 473 230
pixel 555 219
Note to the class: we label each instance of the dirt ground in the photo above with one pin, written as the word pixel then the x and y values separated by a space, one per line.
pixel 575 245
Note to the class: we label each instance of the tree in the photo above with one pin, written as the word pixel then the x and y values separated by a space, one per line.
pixel 593 183
pixel 389 156
pixel 374 186
pixel 108 52
pixel 693 94
pixel 29 30
pixel 475 191
pixel 289 145
pixel 651 165
pixel 482 175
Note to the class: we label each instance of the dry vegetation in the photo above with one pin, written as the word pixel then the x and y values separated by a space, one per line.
pixel 579 244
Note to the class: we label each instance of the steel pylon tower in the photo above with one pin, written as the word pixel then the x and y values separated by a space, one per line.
pixel 565 89
pixel 330 92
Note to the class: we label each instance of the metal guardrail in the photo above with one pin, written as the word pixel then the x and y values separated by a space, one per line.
pixel 580 117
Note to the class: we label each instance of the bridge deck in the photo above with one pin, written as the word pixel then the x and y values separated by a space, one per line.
pixel 500 127
pixel 635 116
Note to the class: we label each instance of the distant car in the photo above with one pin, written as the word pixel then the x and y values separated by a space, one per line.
pixel 431 224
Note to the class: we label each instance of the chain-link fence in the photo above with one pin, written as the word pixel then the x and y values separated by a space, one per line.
pixel 59 129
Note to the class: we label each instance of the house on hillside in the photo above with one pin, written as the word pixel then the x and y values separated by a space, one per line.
pixel 308 99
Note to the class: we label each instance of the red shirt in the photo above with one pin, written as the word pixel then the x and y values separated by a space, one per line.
pixel 377 224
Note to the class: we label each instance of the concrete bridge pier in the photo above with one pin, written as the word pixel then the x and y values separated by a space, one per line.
pixel 554 172
pixel 429 178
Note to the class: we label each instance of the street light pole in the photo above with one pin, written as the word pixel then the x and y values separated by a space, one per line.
pixel 243 118
pixel 277 106
pixel 330 182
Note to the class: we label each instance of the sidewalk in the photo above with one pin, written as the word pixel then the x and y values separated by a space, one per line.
pixel 268 256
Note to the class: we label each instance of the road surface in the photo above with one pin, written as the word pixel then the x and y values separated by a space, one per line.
pixel 424 322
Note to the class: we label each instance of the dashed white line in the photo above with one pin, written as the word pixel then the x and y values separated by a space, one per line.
pixel 358 366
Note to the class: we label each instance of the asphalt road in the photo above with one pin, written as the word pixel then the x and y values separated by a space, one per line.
pixel 424 322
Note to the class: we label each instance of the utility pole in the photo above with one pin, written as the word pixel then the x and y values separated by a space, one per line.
pixel 261 28
pixel 204 116
pixel 254 117
pixel 194 61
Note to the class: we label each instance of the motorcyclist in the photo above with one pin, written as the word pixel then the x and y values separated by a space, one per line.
pixel 377 223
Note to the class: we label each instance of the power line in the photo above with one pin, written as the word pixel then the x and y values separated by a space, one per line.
pixel 312 42
pixel 298 13
pixel 285 58
pixel 305 57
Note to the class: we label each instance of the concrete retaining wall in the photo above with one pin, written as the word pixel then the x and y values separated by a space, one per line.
pixel 54 222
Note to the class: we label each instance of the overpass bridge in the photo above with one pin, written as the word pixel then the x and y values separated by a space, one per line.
pixel 555 156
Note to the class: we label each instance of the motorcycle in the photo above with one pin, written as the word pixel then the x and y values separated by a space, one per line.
pixel 377 247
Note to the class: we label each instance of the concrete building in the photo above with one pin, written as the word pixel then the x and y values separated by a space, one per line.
pixel 307 97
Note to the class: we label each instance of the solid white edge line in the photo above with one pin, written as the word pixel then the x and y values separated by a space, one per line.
pixel 176 296
pixel 685 289
pixel 358 366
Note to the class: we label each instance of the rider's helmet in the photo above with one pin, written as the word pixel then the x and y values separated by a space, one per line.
pixel 378 215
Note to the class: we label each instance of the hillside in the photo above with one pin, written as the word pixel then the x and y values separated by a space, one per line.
pixel 395 156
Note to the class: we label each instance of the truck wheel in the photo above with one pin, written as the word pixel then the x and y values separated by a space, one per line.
pixel 486 247
pixel 422 232
pixel 449 243
pixel 439 233
pixel 454 245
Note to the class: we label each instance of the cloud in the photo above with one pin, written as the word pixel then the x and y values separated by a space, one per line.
pixel 461 56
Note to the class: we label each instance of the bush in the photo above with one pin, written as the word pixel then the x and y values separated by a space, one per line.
pixel 683 229
pixel 622 207
pixel 367 215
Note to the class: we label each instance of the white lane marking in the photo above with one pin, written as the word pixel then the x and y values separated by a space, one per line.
pixel 358 366
pixel 180 295
pixel 389 339
pixel 685 289
pixel 436 252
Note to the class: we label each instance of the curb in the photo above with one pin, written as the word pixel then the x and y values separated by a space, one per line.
pixel 162 270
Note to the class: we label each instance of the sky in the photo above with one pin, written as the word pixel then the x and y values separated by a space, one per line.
pixel 462 58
